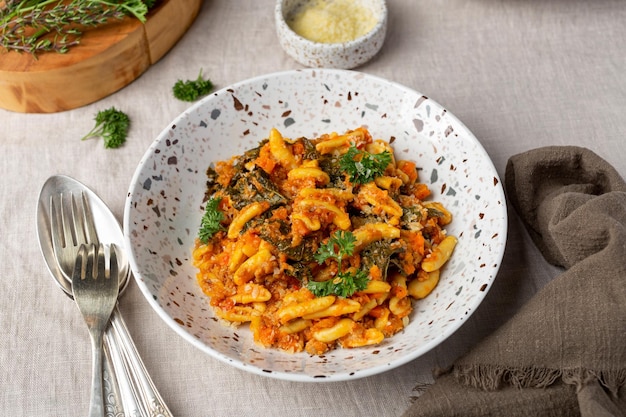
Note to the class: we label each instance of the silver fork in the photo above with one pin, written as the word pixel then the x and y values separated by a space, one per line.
pixel 138 392
pixel 70 228
pixel 71 224
pixel 95 285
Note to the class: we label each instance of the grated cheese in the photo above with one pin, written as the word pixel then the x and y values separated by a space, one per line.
pixel 332 21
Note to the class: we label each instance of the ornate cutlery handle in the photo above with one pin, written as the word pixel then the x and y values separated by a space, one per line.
pixel 121 377
pixel 112 395
pixel 151 402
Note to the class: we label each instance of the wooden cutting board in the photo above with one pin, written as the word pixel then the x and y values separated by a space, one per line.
pixel 108 58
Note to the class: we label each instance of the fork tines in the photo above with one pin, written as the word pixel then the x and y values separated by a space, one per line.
pixel 91 264
pixel 72 215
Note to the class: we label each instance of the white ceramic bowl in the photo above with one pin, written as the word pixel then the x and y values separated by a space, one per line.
pixel 342 55
pixel 163 209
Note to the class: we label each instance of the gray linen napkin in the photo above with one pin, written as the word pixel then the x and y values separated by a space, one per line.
pixel 564 352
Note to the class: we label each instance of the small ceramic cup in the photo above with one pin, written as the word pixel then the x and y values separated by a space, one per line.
pixel 342 55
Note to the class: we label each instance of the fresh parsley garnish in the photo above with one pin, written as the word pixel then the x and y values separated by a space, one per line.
pixel 338 246
pixel 343 285
pixel 211 220
pixel 192 90
pixel 362 166
pixel 112 126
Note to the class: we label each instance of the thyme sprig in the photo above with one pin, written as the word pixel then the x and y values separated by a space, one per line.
pixel 36 26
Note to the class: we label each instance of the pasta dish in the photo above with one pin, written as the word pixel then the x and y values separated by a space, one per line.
pixel 319 243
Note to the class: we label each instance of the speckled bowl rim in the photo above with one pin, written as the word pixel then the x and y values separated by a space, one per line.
pixel 477 298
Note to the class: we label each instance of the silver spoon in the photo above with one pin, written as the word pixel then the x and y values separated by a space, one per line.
pixel 131 385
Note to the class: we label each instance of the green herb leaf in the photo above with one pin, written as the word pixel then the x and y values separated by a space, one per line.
pixel 338 246
pixel 56 25
pixel 362 166
pixel 112 126
pixel 192 90
pixel 344 285
pixel 211 220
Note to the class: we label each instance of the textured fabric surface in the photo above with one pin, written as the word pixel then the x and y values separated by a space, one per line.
pixel 518 74
pixel 568 340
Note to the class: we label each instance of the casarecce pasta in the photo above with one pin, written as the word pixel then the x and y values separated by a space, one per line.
pixel 320 243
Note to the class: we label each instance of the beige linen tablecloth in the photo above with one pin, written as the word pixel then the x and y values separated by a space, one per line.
pixel 519 74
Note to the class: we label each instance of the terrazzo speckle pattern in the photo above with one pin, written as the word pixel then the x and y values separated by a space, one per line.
pixel 164 208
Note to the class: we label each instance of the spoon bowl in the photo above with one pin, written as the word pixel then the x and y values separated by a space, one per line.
pixel 107 228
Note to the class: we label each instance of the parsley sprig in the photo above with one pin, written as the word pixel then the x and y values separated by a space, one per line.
pixel 211 221
pixel 112 126
pixel 192 90
pixel 338 246
pixel 363 166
